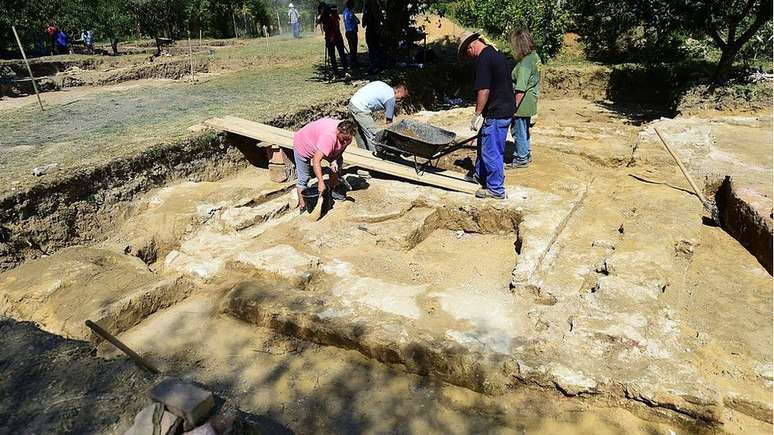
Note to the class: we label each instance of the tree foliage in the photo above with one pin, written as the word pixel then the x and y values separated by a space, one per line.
pixel 116 20
pixel 545 19
pixel 652 30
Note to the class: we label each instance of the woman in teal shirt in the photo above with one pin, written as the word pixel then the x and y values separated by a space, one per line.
pixel 526 87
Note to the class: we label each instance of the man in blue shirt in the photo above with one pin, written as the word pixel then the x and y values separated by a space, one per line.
pixel 376 96
pixel 495 107
pixel 350 30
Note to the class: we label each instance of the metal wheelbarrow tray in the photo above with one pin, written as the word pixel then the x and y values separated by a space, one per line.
pixel 419 140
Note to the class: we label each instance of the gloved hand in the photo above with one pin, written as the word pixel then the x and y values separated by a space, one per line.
pixel 334 166
pixel 476 122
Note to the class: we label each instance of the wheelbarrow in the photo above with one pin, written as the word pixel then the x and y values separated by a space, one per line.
pixel 424 143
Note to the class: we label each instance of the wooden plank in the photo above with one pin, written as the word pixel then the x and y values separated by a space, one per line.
pixel 256 127
pixel 352 156
pixel 264 139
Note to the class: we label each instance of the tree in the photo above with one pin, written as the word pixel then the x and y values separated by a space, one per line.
pixel 620 28
pixel 111 19
pixel 545 20
pixel 730 24
pixel 158 18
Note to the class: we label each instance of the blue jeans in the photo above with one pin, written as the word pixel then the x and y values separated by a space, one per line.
pixel 520 132
pixel 296 29
pixel 491 150
pixel 303 169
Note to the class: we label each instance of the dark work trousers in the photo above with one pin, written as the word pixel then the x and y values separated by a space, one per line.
pixel 333 46
pixel 374 50
pixel 352 42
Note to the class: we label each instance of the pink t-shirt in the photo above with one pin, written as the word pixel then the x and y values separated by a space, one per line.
pixel 318 135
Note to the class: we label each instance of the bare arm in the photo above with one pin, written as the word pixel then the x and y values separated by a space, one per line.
pixel 317 168
pixel 482 96
pixel 519 96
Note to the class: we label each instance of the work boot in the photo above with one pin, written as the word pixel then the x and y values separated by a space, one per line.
pixel 486 193
pixel 471 177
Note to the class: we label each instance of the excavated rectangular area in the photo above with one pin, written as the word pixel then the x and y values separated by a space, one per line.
pixel 585 282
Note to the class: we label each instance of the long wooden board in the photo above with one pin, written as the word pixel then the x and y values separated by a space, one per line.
pixel 268 135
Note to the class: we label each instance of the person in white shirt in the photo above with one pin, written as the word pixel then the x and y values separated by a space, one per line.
pixel 295 24
pixel 374 97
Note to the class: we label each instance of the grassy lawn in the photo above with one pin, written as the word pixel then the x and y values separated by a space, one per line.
pixel 251 81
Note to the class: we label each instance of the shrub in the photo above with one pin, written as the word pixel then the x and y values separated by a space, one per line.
pixel 546 20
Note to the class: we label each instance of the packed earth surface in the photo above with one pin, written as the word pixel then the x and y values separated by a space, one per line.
pixel 598 297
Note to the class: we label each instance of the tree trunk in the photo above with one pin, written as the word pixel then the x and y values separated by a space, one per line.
pixel 114 45
pixel 158 47
pixel 726 62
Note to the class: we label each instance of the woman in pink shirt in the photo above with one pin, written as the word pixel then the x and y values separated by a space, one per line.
pixel 326 138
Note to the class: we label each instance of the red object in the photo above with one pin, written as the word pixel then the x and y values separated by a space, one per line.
pixel 331 28
pixel 51 30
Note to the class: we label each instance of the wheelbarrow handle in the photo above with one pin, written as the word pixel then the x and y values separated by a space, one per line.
pixel 468 139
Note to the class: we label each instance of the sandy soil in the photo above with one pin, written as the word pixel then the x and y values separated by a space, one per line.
pixel 294 320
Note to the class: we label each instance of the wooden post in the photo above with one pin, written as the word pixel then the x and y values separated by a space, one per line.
pixel 29 70
pixel 279 24
pixel 200 38
pixel 266 35
pixel 190 56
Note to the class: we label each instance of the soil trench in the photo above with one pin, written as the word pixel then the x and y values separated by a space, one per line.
pixel 588 287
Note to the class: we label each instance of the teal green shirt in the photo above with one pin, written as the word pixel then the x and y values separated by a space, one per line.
pixel 526 78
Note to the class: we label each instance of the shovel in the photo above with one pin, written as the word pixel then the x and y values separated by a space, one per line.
pixel 709 207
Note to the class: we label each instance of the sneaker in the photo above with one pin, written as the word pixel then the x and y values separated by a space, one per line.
pixel 517 165
pixel 486 193
pixel 471 177
pixel 301 210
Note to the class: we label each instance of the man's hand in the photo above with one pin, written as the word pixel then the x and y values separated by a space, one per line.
pixel 476 122
pixel 334 167
pixel 321 187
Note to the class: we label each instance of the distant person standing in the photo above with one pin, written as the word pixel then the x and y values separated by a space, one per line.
pixel 494 110
pixel 372 22
pixel 295 24
pixel 350 30
pixel 376 96
pixel 526 86
pixel 62 42
pixel 331 25
pixel 51 31
pixel 88 40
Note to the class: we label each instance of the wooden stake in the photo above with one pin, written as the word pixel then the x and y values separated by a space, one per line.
pixel 29 70
pixel 190 56
pixel 140 361
pixel 279 24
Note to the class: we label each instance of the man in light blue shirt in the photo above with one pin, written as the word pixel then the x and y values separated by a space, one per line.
pixel 294 22
pixel 350 30
pixel 376 96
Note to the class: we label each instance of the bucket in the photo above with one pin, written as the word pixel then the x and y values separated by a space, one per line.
pixel 311 195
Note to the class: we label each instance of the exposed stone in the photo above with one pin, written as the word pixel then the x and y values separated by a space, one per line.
pixel 205 429
pixel 754 408
pixel 154 420
pixel 185 400
pixel 746 215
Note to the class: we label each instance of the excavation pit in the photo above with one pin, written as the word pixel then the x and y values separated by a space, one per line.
pixel 585 283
